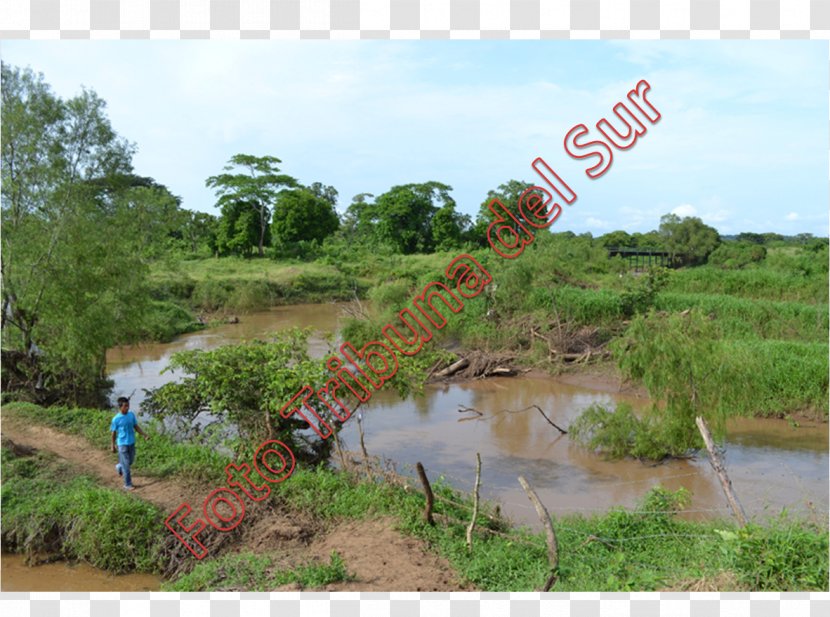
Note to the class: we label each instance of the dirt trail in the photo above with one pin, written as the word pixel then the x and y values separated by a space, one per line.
pixel 380 558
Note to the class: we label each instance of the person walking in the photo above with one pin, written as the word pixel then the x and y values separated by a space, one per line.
pixel 124 426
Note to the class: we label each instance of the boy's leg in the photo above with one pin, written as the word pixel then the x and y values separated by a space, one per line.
pixel 125 458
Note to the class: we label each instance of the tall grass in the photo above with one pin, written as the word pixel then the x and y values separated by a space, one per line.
pixel 757 283
pixel 747 318
pixel 48 510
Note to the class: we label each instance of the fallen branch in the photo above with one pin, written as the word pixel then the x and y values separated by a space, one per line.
pixel 453 368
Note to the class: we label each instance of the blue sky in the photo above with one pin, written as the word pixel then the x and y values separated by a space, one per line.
pixel 742 143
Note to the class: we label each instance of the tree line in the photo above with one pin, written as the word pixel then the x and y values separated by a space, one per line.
pixel 81 229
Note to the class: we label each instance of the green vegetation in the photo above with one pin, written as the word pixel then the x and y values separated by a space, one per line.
pixel 48 510
pixel 646 548
pixel 250 572
pixel 193 460
pixel 643 549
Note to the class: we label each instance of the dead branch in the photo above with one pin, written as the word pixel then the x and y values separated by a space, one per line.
pixel 422 475
pixel 720 469
pixel 550 534
pixel 475 505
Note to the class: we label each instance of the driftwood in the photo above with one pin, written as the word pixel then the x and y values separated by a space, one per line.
pixel 422 475
pixel 720 469
pixel 475 504
pixel 453 368
pixel 550 534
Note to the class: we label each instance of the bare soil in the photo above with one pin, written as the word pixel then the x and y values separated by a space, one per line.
pixel 380 557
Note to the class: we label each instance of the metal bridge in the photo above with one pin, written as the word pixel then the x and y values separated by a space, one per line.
pixel 642 258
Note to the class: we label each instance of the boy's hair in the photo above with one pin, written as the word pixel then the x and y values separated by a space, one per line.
pixel 123 399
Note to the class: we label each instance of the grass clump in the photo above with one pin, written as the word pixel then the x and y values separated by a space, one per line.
pixel 47 510
pixel 251 572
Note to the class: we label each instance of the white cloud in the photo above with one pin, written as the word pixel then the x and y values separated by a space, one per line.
pixel 792 216
pixel 597 223
pixel 685 210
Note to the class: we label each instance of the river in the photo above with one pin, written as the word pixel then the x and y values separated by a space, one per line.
pixel 773 465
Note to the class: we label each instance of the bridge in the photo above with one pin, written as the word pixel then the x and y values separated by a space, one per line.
pixel 642 258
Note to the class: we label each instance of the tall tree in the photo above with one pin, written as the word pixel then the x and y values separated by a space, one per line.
pixel 71 271
pixel 255 188
pixel 302 216
pixel 404 215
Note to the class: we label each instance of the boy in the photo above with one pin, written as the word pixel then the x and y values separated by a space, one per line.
pixel 123 427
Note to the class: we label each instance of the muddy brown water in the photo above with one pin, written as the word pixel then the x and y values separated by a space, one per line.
pixel 773 465
pixel 62 576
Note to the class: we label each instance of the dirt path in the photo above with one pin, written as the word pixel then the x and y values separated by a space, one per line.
pixel 380 558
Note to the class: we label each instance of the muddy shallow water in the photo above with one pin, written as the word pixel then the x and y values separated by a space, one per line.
pixel 62 576
pixel 772 464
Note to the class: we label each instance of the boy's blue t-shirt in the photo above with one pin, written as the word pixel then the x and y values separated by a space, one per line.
pixel 125 424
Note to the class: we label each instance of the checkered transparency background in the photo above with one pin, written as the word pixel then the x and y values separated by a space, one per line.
pixel 412 19
pixel 415 19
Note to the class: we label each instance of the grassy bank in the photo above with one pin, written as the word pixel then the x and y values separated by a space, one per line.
pixel 48 511
pixel 644 548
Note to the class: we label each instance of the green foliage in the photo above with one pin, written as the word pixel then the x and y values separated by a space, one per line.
pixel 779 283
pixel 783 557
pixel 675 358
pixel 618 434
pixel 251 572
pixel 164 321
pixel 301 216
pixel 640 293
pixel 734 256
pixel 646 548
pixel 46 510
pixel 73 246
pixel 246 385
pixel 688 239
pixel 744 318
pixel 449 227
pixel 162 455
pixel 402 217
pixel 245 200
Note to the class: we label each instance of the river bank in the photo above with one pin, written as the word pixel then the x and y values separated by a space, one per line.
pixel 380 540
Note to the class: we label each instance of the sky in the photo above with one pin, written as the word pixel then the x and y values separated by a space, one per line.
pixel 742 142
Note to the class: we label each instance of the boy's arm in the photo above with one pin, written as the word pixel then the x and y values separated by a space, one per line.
pixel 140 432
pixel 113 441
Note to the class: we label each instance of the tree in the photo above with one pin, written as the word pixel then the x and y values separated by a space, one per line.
pixel 688 239
pixel 240 230
pixel 256 189
pixel 199 232
pixel 246 385
pixel 301 215
pixel 404 215
pixel 72 270
pixel 449 228
pixel 618 239
pixel 508 194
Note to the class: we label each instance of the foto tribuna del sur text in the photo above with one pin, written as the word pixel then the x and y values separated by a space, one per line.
pixel 360 373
